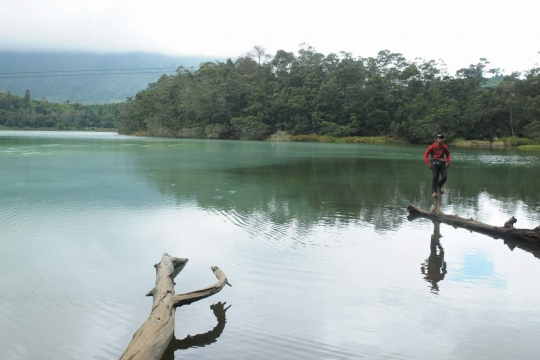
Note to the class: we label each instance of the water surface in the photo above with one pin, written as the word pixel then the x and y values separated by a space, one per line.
pixel 314 239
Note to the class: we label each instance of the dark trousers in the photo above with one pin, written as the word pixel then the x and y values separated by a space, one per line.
pixel 435 171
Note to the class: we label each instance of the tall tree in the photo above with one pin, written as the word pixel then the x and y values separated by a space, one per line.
pixel 258 53
pixel 9 100
pixel 26 100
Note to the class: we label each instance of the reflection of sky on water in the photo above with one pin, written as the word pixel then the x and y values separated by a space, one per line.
pixel 477 270
pixel 487 209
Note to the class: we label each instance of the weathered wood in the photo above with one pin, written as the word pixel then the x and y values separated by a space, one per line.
pixel 506 232
pixel 437 207
pixel 154 336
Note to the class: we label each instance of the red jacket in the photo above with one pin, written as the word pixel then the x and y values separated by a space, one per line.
pixel 437 153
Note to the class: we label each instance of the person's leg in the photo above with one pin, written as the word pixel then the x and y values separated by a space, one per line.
pixel 434 178
pixel 443 175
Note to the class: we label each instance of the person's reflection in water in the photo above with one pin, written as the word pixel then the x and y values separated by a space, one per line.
pixel 434 268
pixel 199 340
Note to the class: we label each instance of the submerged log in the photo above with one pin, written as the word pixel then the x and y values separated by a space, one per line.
pixel 154 336
pixel 507 231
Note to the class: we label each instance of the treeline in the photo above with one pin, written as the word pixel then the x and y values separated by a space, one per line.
pixel 337 95
pixel 18 112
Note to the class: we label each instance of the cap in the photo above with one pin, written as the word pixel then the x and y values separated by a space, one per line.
pixel 439 136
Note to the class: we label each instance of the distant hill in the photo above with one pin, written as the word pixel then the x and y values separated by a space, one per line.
pixel 88 89
pixel 494 81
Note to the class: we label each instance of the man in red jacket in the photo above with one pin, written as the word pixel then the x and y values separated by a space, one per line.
pixel 439 162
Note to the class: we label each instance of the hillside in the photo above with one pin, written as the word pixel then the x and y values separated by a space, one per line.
pixel 87 89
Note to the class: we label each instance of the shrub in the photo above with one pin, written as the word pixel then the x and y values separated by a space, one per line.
pixel 250 128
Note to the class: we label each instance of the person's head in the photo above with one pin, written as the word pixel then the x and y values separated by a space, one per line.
pixel 439 138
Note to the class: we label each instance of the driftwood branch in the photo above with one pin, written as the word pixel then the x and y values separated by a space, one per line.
pixel 507 231
pixel 188 298
pixel 154 336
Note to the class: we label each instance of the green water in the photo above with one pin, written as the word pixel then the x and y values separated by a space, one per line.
pixel 314 239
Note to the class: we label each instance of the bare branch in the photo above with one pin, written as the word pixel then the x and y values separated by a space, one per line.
pixel 188 298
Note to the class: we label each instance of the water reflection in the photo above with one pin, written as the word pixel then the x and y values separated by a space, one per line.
pixel 115 205
pixel 200 340
pixel 307 191
pixel 434 268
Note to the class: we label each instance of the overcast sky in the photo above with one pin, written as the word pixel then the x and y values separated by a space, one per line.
pixel 460 32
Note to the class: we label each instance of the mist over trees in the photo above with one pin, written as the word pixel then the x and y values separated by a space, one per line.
pixel 57 76
pixel 337 95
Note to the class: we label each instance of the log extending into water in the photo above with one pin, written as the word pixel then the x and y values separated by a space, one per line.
pixel 154 336
pixel 507 231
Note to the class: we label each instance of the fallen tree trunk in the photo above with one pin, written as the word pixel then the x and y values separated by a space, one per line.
pixel 507 231
pixel 154 336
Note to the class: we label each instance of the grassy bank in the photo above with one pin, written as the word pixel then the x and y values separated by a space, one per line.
pixel 529 147
pixel 283 136
pixel 496 143
pixel 96 129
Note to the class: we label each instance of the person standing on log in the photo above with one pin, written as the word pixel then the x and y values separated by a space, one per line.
pixel 439 162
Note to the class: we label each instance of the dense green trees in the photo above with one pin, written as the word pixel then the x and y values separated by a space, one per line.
pixel 24 113
pixel 337 95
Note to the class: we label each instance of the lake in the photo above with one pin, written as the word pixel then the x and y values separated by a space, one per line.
pixel 314 238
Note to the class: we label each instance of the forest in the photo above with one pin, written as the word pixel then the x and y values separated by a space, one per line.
pixel 336 95
pixel 17 112
pixel 306 96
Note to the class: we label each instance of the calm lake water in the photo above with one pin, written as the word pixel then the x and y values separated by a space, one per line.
pixel 314 239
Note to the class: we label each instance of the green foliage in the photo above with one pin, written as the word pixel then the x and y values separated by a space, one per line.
pixel 250 128
pixel 315 97
pixel 515 141
pixel 532 131
pixel 23 113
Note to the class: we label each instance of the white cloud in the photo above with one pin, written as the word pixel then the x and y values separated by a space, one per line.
pixel 459 32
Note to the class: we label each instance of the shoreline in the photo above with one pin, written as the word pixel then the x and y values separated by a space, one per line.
pixel 89 129
pixel 507 143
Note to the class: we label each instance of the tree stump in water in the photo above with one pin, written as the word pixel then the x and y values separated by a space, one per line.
pixel 154 336
pixel 437 206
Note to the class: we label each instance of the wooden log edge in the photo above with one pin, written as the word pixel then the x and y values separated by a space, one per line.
pixel 507 231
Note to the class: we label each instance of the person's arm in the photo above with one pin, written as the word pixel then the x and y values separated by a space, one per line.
pixel 426 155
pixel 447 152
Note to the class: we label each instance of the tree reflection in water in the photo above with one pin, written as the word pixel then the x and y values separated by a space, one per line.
pixel 434 268
pixel 200 340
